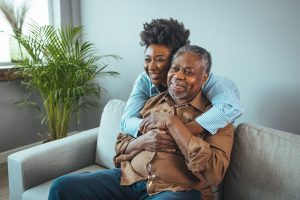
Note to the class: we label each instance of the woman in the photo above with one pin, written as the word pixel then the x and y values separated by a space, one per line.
pixel 162 38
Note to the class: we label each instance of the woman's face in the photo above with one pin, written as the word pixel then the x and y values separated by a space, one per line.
pixel 157 63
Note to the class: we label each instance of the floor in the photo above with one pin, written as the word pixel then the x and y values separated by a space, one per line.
pixel 3 182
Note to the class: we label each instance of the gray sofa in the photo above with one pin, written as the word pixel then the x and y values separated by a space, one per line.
pixel 264 163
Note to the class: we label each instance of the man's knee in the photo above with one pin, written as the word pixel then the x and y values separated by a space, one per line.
pixel 64 185
pixel 181 195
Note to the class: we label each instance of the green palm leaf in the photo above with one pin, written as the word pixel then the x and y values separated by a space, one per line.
pixel 62 69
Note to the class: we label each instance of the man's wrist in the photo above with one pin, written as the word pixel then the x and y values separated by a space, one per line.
pixel 135 145
pixel 141 142
pixel 170 122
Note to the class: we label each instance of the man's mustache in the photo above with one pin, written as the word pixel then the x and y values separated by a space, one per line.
pixel 178 82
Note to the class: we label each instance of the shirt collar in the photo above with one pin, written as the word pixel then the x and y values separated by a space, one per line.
pixel 200 102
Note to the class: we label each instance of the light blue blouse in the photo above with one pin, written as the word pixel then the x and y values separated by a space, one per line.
pixel 221 91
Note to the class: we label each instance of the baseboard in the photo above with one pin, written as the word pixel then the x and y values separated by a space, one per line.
pixel 5 154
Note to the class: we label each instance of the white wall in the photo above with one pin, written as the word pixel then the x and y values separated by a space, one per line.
pixel 255 43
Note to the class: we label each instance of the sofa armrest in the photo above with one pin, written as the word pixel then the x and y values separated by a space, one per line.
pixel 44 162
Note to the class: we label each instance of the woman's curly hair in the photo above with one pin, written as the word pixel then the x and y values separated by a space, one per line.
pixel 167 32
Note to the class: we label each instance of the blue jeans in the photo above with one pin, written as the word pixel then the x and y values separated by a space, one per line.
pixel 105 185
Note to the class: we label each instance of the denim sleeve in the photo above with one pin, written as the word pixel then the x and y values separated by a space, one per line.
pixel 140 93
pixel 224 96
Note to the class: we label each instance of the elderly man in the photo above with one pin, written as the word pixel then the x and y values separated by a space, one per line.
pixel 200 160
pixel 166 162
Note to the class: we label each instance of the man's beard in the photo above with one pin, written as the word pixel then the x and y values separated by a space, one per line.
pixel 177 96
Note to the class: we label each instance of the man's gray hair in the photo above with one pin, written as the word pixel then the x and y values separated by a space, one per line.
pixel 203 54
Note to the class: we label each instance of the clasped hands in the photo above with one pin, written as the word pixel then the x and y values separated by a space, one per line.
pixel 155 133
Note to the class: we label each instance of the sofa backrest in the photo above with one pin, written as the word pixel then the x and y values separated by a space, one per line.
pixel 108 130
pixel 264 165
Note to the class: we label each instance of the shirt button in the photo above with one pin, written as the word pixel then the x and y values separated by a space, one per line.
pixel 150 177
pixel 150 183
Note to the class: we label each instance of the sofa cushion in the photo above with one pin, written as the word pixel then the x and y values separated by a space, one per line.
pixel 108 130
pixel 41 192
pixel 264 165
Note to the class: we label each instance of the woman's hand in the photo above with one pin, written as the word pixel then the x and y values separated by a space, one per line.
pixel 155 120
pixel 158 120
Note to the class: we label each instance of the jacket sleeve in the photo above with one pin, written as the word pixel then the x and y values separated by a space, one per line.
pixel 209 157
pixel 122 142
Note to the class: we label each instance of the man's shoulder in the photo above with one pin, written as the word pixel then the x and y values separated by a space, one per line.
pixel 205 101
pixel 227 130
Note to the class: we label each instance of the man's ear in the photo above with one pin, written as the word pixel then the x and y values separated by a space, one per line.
pixel 204 77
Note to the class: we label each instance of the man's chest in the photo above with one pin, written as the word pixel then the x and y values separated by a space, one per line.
pixel 186 113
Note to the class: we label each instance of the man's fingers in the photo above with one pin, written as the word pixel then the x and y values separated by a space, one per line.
pixel 145 128
pixel 166 140
pixel 164 136
pixel 167 144
pixel 142 127
pixel 143 124
pixel 170 150
pixel 161 131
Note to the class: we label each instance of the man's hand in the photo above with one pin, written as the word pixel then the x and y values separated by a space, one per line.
pixel 158 140
pixel 156 120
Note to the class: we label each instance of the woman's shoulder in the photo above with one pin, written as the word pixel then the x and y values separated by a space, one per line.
pixel 143 85
pixel 143 81
pixel 143 77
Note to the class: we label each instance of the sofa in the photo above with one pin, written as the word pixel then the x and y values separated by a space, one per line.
pixel 264 162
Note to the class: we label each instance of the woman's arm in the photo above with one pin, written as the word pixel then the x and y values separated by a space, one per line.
pixel 224 96
pixel 158 120
pixel 141 92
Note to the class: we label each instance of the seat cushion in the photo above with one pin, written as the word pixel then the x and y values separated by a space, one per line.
pixel 264 165
pixel 108 130
pixel 41 192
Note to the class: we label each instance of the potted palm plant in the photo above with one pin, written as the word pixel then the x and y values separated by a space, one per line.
pixel 62 69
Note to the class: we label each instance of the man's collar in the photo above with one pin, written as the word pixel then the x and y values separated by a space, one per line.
pixel 200 102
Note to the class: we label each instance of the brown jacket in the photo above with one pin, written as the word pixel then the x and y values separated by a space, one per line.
pixel 208 155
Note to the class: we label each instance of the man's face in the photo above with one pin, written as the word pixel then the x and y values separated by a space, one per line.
pixel 186 77
pixel 157 63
